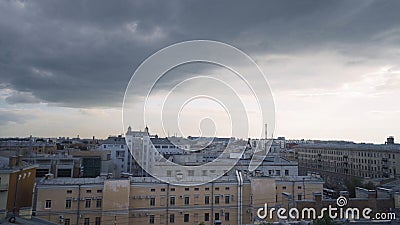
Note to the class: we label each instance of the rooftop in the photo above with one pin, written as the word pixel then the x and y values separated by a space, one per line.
pixel 114 140
pixel 72 181
pixel 351 146
pixel 393 185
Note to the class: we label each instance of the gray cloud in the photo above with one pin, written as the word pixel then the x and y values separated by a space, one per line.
pixel 82 54
pixel 10 116
pixel 21 97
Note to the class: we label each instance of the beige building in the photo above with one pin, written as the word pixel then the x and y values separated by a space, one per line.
pixel 16 186
pixel 28 146
pixel 336 161
pixel 147 201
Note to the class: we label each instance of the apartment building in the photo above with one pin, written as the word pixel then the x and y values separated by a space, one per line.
pixel 27 146
pixel 120 154
pixel 16 186
pixel 337 161
pixel 165 147
pixel 145 200
pixel 93 162
pixel 59 165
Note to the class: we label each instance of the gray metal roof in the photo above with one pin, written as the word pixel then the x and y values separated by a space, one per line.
pixel 72 181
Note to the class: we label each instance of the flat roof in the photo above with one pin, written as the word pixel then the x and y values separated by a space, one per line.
pixel 351 146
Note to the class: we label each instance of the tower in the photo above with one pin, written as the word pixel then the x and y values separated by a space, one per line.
pixel 129 129
pixel 266 131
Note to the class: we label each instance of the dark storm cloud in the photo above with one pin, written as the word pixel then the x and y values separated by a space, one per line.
pixel 82 54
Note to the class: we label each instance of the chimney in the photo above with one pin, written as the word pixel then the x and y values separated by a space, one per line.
pixel 19 160
pixel 317 197
pixel 13 161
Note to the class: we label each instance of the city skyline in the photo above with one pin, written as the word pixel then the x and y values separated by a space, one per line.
pixel 333 67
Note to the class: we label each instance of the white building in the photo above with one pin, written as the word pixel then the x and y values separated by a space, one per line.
pixel 165 147
pixel 120 155
pixel 141 148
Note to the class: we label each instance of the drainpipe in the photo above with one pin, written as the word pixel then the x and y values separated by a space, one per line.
pixel 19 176
pixel 79 203
pixel 212 202
pixel 167 199
pixel 240 184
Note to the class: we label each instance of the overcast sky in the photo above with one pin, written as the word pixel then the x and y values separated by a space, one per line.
pixel 333 66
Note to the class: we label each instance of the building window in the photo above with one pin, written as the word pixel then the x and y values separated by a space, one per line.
pixel 151 219
pixel 227 198
pixel 172 218
pixel 88 191
pixel 284 187
pixel 299 197
pixel 299 187
pixel 162 189
pixel 226 216
pixel 172 200
pixel 216 216
pixel 206 217
pixel 196 189
pixel 206 189
pixel 69 191
pixel 153 190
pixel 216 199
pixel 278 172
pixel 98 203
pixel 172 189
pixel 97 221
pixel 217 188
pixel 68 203
pixel 48 204
pixel 186 218
pixel 87 203
pixel 207 200
pixel 86 221
pixel 152 201
pixel 286 172
pixel 186 189
pixel 186 200
pixel 99 191
pixel 67 221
